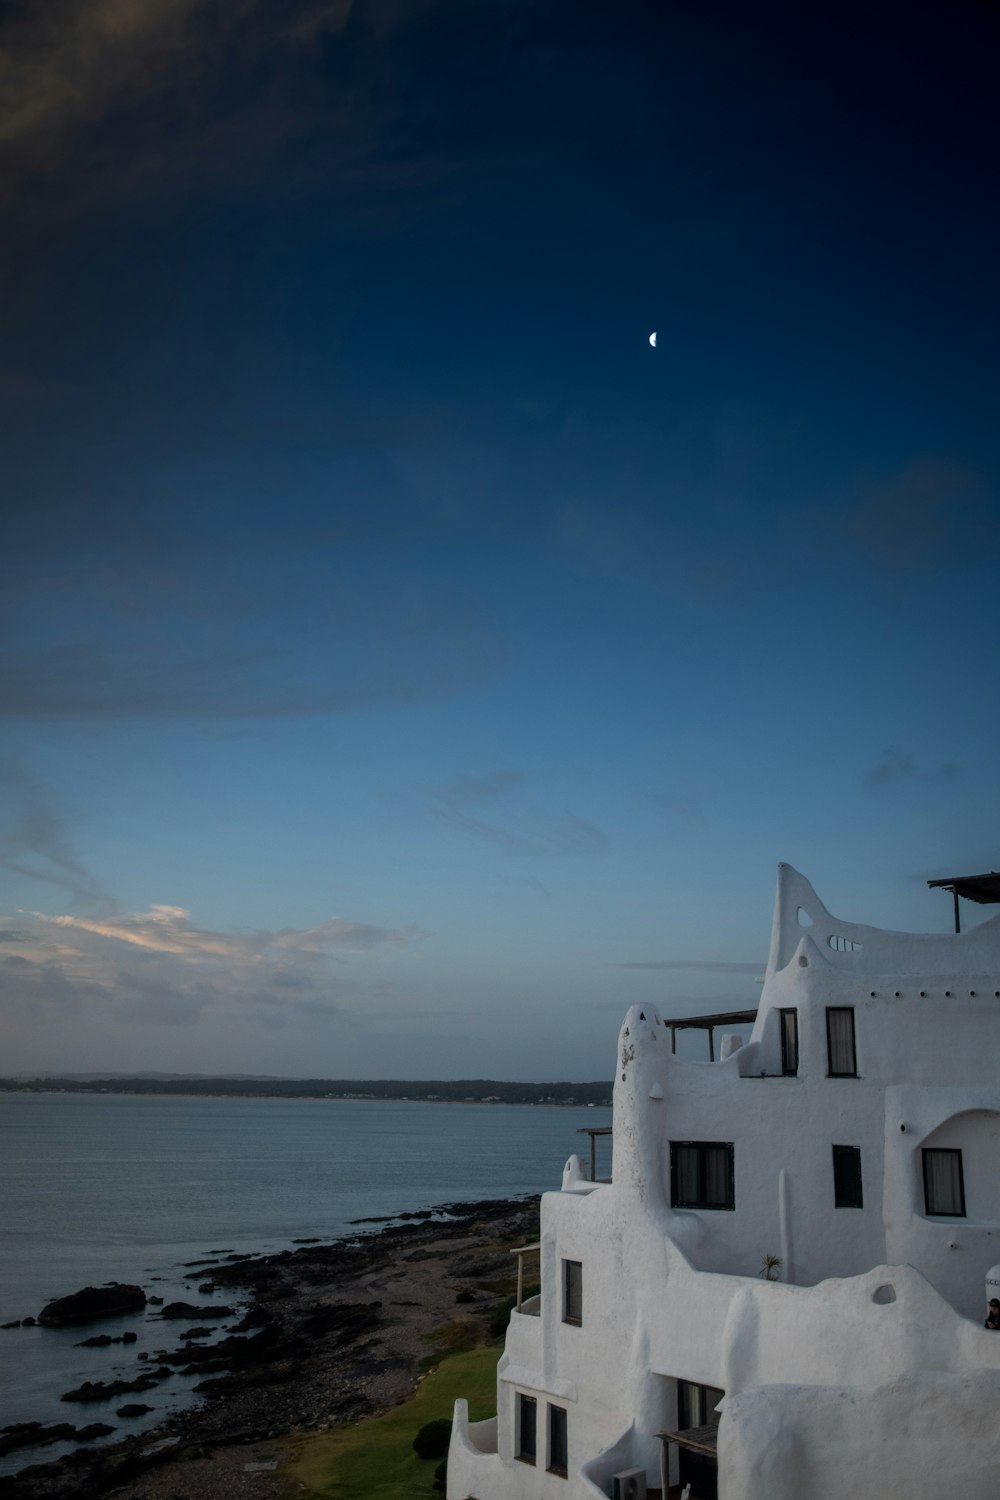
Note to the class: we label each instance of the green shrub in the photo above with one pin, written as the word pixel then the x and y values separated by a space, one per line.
pixel 466 1297
pixel 433 1438
pixel 440 1484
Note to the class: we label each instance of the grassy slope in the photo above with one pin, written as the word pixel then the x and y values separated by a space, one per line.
pixel 375 1458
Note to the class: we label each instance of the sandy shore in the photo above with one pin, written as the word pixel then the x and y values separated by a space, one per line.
pixel 330 1334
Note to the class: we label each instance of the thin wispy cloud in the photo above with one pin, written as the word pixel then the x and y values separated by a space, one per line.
pixel 703 965
pixel 495 808
pixel 896 765
pixel 160 967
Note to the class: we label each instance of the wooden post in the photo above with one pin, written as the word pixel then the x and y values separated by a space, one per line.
pixel 520 1281
pixel 958 920
pixel 711 1044
pixel 673 1038
pixel 593 1157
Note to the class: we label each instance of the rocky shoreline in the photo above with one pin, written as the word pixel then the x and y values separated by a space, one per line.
pixel 329 1333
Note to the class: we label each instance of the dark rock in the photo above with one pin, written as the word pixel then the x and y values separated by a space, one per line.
pixel 101 1390
pixel 92 1303
pixel 16 1324
pixel 196 1333
pixel 102 1340
pixel 254 1317
pixel 207 1287
pixel 29 1322
pixel 189 1310
pixel 33 1434
pixel 155 1301
pixel 94 1430
pixel 133 1409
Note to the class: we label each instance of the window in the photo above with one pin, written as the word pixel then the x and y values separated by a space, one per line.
pixel 840 1041
pixel 557 1440
pixel 527 1413
pixel 701 1174
pixel 789 1042
pixel 572 1292
pixel 847 1177
pixel 944 1185
pixel 696 1405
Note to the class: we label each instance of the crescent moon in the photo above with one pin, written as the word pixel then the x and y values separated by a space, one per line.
pixel 652 340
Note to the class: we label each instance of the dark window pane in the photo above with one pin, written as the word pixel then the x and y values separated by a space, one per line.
pixel 789 1041
pixel 840 1041
pixel 847 1177
pixel 526 1423
pixel 696 1405
pixel 944 1186
pixel 557 1440
pixel 572 1291
pixel 701 1174
pixel 716 1160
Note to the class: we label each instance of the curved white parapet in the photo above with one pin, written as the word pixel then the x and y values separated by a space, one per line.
pixel 859 949
pixel 916 1438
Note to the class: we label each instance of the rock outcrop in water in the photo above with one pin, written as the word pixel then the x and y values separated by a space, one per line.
pixel 93 1303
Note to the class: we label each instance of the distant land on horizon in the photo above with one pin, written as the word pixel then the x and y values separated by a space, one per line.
pixel 240 1085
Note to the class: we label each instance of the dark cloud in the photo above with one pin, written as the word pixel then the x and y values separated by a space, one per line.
pixel 493 807
pixel 187 635
pixel 925 514
pixel 895 765
pixel 35 842
pixel 685 811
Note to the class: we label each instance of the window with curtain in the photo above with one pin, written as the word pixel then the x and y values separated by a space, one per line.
pixel 843 1061
pixel 701 1174
pixel 944 1185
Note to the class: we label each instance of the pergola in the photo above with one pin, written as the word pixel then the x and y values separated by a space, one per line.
pixel 984 889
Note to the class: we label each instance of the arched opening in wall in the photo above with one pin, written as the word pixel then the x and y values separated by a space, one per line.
pixel 804 919
pixel 884 1294
pixel 958 1168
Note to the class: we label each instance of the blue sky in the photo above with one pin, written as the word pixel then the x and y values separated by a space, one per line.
pixel 405 667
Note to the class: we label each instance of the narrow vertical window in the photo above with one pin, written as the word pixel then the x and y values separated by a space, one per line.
pixel 527 1415
pixel 558 1452
pixel 840 1041
pixel 847 1177
pixel 944 1184
pixel 572 1292
pixel 789 1042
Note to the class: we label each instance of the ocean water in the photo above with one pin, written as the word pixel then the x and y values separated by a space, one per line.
pixel 97 1188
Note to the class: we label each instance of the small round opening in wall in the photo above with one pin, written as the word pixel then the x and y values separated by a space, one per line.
pixel 884 1294
pixel 803 961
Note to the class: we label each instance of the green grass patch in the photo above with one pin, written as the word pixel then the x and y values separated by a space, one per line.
pixel 375 1458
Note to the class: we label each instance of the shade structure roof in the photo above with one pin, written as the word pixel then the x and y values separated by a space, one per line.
pixel 982 888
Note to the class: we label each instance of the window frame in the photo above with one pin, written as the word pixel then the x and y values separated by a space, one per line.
pixel 786 1070
pixel 572 1293
pixel 525 1403
pixel 841 1010
pixel 557 1435
pixel 847 1160
pixel 937 1213
pixel 703 1147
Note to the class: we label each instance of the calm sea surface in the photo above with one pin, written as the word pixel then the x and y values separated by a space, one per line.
pixel 97 1188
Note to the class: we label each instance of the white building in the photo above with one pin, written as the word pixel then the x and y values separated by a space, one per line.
pixel 856 1139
